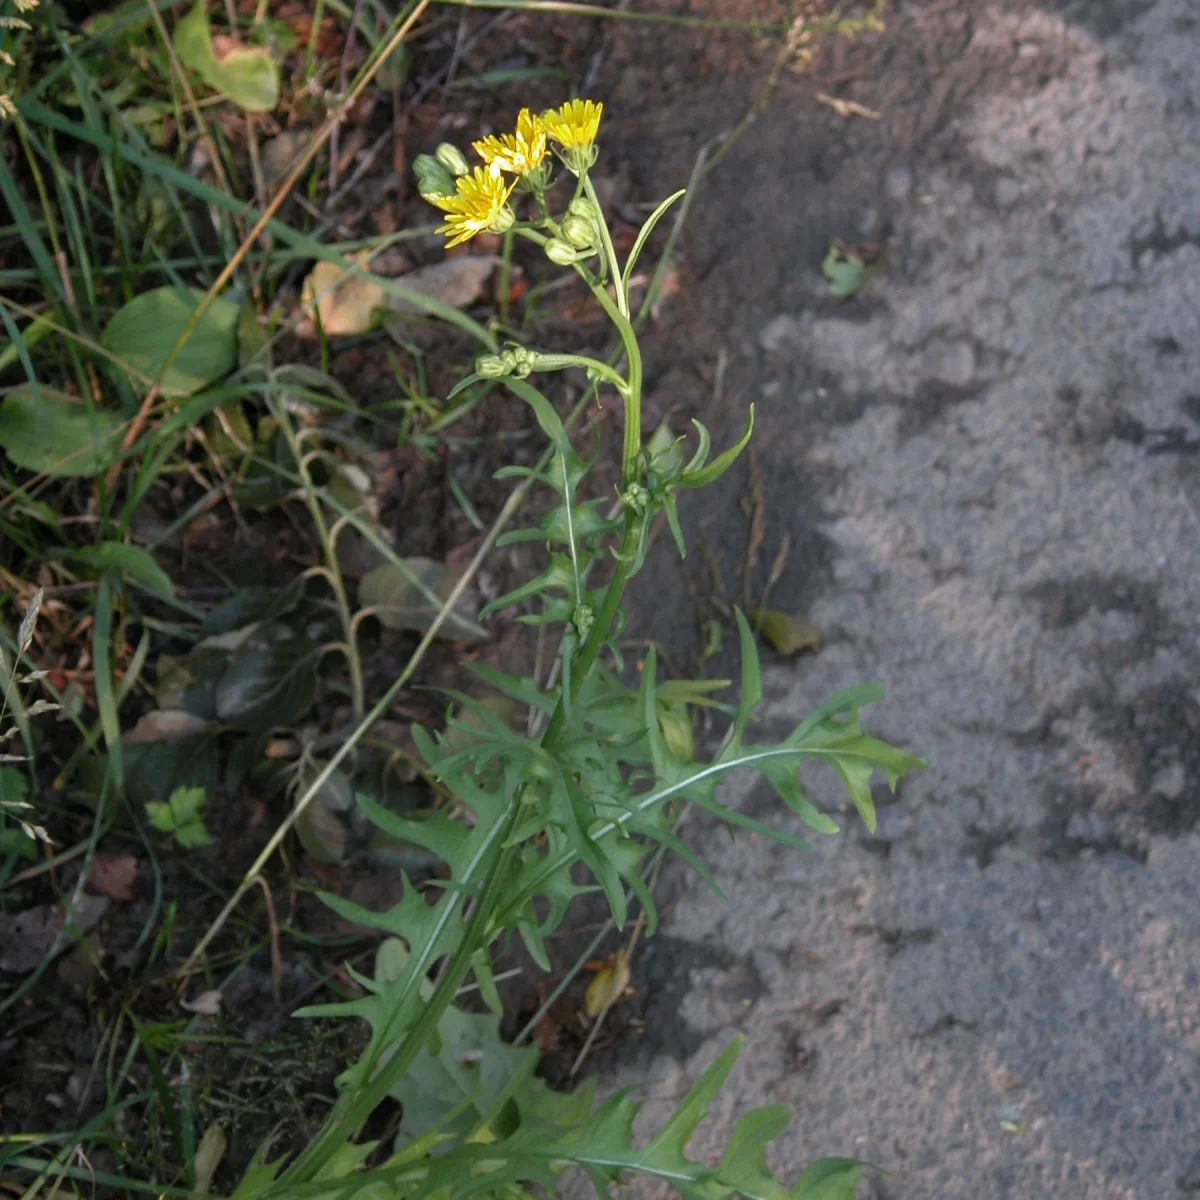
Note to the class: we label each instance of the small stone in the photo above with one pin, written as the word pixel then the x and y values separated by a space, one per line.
pixel 1089 828
pixel 1189 1181
pixel 950 362
pixel 898 183
pixel 778 332
pixel 1007 191
pixel 1170 781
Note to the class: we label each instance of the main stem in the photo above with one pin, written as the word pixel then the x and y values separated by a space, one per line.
pixel 631 531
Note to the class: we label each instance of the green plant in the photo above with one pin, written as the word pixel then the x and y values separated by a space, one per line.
pixel 180 816
pixel 600 784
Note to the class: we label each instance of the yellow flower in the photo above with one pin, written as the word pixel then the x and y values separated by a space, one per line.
pixel 575 124
pixel 479 205
pixel 519 152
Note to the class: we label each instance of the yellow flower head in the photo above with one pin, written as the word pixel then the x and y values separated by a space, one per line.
pixel 574 127
pixel 519 152
pixel 479 205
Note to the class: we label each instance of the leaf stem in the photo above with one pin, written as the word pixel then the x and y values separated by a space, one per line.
pixel 610 251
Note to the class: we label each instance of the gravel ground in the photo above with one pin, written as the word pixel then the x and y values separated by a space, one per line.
pixel 997 995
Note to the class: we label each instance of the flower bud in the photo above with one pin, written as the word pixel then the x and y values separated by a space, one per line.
pixel 490 366
pixel 583 620
pixel 452 158
pixel 581 206
pixel 580 232
pixel 636 497
pixel 560 252
pixel 502 221
pixel 432 178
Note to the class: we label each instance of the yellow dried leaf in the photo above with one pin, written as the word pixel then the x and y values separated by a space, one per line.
pixel 607 985
pixel 784 633
pixel 346 303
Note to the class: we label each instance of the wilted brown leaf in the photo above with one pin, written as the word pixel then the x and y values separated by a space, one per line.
pixel 606 987
pixel 112 875
pixel 207 1004
pixel 26 937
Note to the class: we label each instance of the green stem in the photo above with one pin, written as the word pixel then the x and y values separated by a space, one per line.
pixel 632 447
pixel 630 469
pixel 350 1112
pixel 560 362
pixel 610 251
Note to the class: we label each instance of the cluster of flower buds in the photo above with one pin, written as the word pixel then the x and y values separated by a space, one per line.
pixel 579 234
pixel 512 360
pixel 437 172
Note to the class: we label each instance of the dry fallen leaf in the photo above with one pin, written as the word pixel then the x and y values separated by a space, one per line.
pixel 607 985
pixel 346 303
pixel 112 875
pixel 785 634
pixel 26 937
pixel 207 1004
pixel 163 725
pixel 457 281
pixel 208 1156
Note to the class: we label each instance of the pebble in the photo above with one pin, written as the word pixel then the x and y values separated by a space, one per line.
pixel 1007 192
pixel 778 332
pixel 1190 1180
pixel 898 183
pixel 1170 781
pixel 950 362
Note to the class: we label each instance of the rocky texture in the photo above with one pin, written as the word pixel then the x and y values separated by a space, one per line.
pixel 998 993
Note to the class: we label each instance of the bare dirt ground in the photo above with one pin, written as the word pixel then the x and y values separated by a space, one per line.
pixel 986 466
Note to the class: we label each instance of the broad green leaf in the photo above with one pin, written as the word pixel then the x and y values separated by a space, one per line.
pixel 410 596
pixel 153 770
pixel 462 1073
pixel 248 605
pixel 129 560
pixel 180 816
pixel 57 434
pixel 247 75
pixel 268 685
pixel 829 1179
pixel 144 332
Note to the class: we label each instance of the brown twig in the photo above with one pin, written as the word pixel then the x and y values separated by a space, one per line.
pixel 276 957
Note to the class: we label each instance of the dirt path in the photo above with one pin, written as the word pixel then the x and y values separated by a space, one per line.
pixel 987 464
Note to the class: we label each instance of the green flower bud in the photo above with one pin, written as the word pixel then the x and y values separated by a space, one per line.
pixel 583 620
pixel 490 366
pixel 636 497
pixel 452 158
pixel 502 221
pixel 560 252
pixel 432 178
pixel 580 232
pixel 581 206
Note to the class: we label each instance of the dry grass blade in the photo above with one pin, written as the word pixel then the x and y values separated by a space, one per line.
pixel 28 621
